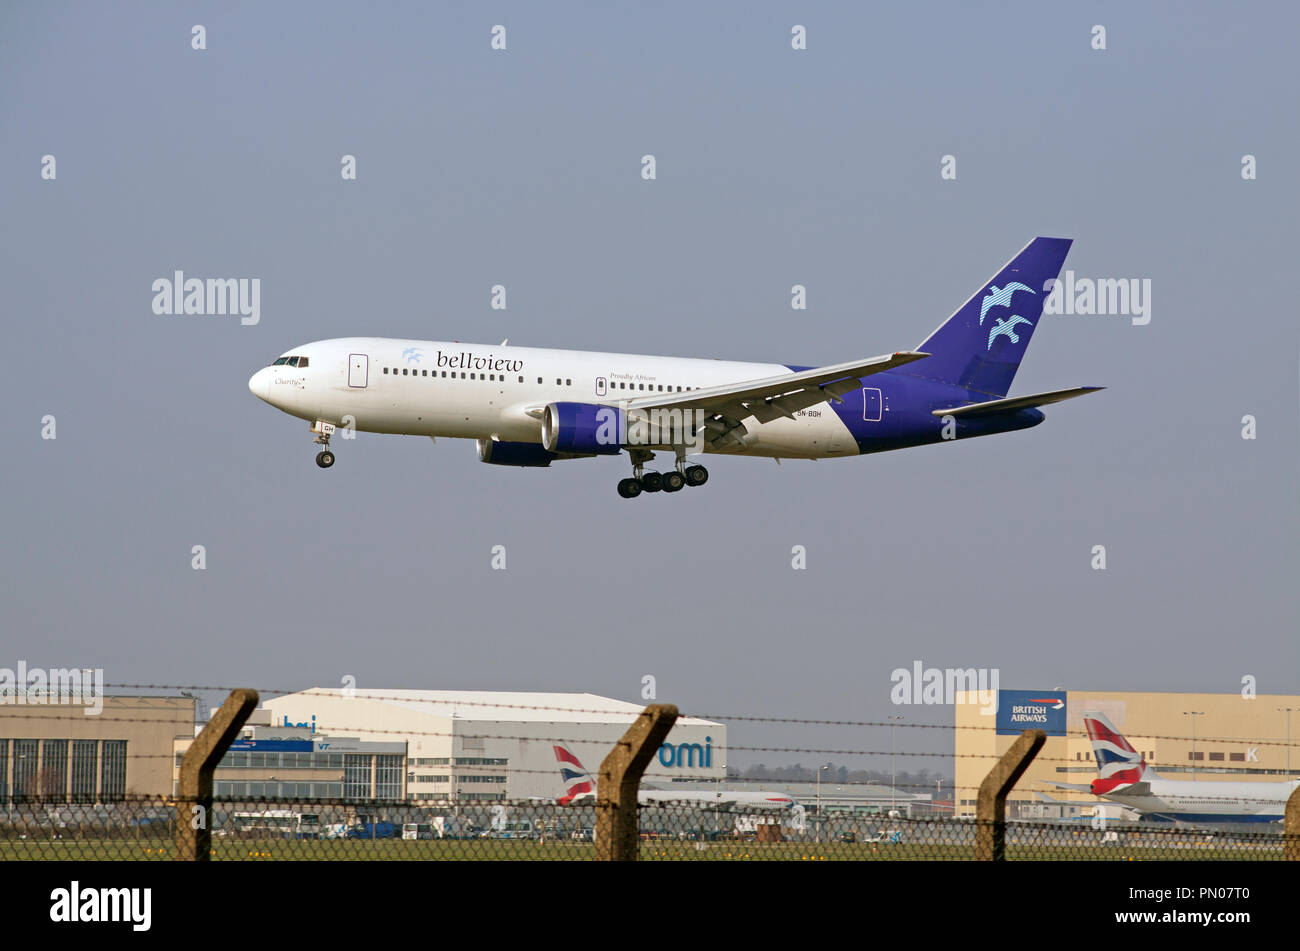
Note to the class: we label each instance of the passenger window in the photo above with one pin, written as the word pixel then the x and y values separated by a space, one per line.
pixel 385 370
pixel 568 383
pixel 404 371
pixel 462 376
pixel 521 379
pixel 444 374
pixel 539 379
pixel 473 377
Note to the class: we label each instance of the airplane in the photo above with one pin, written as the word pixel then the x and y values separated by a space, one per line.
pixel 579 786
pixel 1124 777
pixel 529 407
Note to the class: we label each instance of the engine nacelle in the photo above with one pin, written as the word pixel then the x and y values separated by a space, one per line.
pixel 583 428
pixel 499 453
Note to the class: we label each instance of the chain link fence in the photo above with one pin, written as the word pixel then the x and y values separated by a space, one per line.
pixel 334 830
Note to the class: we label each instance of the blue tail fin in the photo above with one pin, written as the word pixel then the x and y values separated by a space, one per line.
pixel 981 345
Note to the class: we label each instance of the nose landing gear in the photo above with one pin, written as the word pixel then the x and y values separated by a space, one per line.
pixel 324 458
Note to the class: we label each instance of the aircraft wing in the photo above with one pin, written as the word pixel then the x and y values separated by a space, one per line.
pixel 1072 803
pixel 1074 787
pixel 1013 403
pixel 772 397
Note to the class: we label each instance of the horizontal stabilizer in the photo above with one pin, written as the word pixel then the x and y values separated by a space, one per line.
pixel 1012 403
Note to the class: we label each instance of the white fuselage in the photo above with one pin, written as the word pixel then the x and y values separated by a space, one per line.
pixel 1176 797
pixel 473 391
pixel 739 801
pixel 730 801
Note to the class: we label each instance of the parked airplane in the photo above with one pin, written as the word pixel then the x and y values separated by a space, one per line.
pixel 579 785
pixel 1124 777
pixel 529 407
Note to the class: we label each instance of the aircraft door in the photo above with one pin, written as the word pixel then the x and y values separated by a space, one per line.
pixel 358 369
pixel 871 404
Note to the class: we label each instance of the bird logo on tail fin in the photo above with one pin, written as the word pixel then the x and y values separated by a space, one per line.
pixel 1000 297
pixel 1005 327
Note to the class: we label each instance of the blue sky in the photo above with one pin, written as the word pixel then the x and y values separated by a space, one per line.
pixel 774 167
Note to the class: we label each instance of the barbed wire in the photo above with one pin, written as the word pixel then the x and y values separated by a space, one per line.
pixel 339 693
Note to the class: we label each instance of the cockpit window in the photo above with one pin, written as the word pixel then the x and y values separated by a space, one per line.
pixel 302 362
pixel 282 360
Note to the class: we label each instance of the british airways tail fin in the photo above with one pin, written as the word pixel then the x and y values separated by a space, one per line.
pixel 1118 763
pixel 577 781
pixel 981 345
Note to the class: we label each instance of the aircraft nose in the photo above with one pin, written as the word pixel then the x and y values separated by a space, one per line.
pixel 259 384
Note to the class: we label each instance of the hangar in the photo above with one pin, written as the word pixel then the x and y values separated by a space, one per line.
pixel 497 745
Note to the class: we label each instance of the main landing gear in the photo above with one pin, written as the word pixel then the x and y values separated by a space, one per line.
pixel 672 481
pixel 324 458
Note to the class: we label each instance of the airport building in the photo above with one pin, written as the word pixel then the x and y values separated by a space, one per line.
pixel 121 747
pixel 489 745
pixel 1201 736
pixel 293 763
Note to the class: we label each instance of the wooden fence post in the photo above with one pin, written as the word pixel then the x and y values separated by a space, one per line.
pixel 194 796
pixel 1291 827
pixel 618 836
pixel 991 807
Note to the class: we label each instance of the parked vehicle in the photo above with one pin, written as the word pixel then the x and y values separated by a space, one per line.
pixel 374 830
pixel 417 830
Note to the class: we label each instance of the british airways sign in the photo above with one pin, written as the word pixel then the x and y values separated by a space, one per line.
pixel 1020 710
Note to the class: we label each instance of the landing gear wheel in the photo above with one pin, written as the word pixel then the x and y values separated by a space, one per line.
pixel 324 458
pixel 652 482
pixel 696 475
pixel 673 481
pixel 629 488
